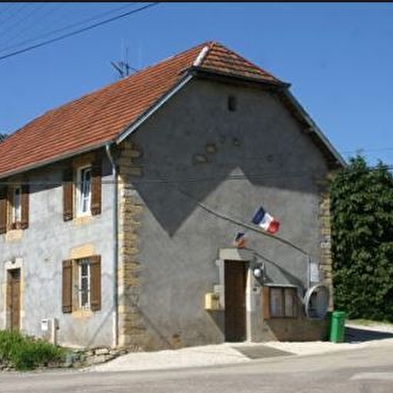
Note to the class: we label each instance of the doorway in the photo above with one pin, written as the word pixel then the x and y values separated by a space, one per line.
pixel 235 301
pixel 13 299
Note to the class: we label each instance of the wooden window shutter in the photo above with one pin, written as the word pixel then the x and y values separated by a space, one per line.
pixel 25 207
pixel 266 302
pixel 3 210
pixel 95 283
pixel 96 173
pixel 67 286
pixel 68 194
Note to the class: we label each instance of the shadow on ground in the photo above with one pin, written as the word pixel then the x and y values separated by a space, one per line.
pixel 354 335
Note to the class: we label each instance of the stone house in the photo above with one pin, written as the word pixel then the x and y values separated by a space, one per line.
pixel 118 211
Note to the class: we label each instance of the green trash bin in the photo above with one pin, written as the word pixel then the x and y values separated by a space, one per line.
pixel 337 327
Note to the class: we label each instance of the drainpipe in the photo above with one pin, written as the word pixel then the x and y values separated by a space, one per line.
pixel 115 247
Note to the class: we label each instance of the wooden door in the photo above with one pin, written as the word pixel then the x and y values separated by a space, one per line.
pixel 235 300
pixel 13 299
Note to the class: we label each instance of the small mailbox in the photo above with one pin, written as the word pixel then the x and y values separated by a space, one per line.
pixel 212 301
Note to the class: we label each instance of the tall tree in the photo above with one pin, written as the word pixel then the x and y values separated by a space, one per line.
pixel 362 240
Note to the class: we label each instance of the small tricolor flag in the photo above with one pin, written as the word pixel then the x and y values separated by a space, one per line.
pixel 265 221
pixel 240 240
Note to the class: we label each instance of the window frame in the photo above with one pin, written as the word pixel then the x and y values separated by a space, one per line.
pixel 14 215
pixel 83 194
pixel 280 301
pixel 72 284
pixel 16 208
pixel 84 262
pixel 81 199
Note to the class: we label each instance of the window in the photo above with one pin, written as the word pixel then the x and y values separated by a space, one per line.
pixel 280 302
pixel 82 284
pixel 232 103
pixel 82 190
pixel 14 207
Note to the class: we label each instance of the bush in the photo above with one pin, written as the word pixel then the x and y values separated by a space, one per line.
pixel 362 240
pixel 27 353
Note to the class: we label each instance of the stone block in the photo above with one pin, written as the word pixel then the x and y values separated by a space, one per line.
pixel 101 351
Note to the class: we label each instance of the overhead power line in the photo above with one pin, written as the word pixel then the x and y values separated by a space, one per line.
pixel 26 27
pixel 67 27
pixel 93 26
pixel 21 20
pixel 360 150
pixel 12 14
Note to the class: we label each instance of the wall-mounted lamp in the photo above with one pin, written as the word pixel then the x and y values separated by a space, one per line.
pixel 259 271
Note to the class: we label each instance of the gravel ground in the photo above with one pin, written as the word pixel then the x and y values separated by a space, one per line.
pixel 357 336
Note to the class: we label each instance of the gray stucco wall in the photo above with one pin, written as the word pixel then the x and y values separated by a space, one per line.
pixel 40 252
pixel 202 166
pixel 256 155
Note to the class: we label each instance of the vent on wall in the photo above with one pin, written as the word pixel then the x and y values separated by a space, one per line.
pixel 232 103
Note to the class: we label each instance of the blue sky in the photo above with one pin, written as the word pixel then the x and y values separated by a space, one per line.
pixel 337 56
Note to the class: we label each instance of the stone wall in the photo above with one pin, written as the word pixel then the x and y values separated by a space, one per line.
pixel 326 263
pixel 131 325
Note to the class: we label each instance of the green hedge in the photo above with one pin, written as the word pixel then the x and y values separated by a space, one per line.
pixel 362 240
pixel 26 353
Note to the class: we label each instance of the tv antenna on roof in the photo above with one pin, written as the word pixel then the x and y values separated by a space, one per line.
pixel 123 67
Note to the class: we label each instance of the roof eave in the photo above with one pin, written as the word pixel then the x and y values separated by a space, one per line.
pixel 152 109
pixel 282 87
pixel 58 158
pixel 132 127
pixel 338 160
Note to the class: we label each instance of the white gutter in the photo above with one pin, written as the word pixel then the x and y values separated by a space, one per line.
pixel 153 109
pixel 314 127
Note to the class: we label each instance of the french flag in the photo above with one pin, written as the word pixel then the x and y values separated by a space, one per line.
pixel 240 240
pixel 265 221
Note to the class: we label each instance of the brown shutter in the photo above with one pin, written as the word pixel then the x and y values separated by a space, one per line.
pixel 67 286
pixel 25 207
pixel 3 210
pixel 95 283
pixel 96 173
pixel 266 302
pixel 68 194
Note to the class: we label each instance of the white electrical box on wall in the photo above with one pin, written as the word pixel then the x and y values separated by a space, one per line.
pixel 49 328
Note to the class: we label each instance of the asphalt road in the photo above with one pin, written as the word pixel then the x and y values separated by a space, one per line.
pixel 366 370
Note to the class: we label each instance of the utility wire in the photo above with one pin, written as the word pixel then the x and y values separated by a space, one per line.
pixel 93 18
pixel 27 27
pixel 261 176
pixel 240 223
pixel 233 177
pixel 78 31
pixel 16 24
pixel 12 14
pixel 360 150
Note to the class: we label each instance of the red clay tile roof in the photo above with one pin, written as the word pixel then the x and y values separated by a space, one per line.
pixel 103 115
pixel 223 60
